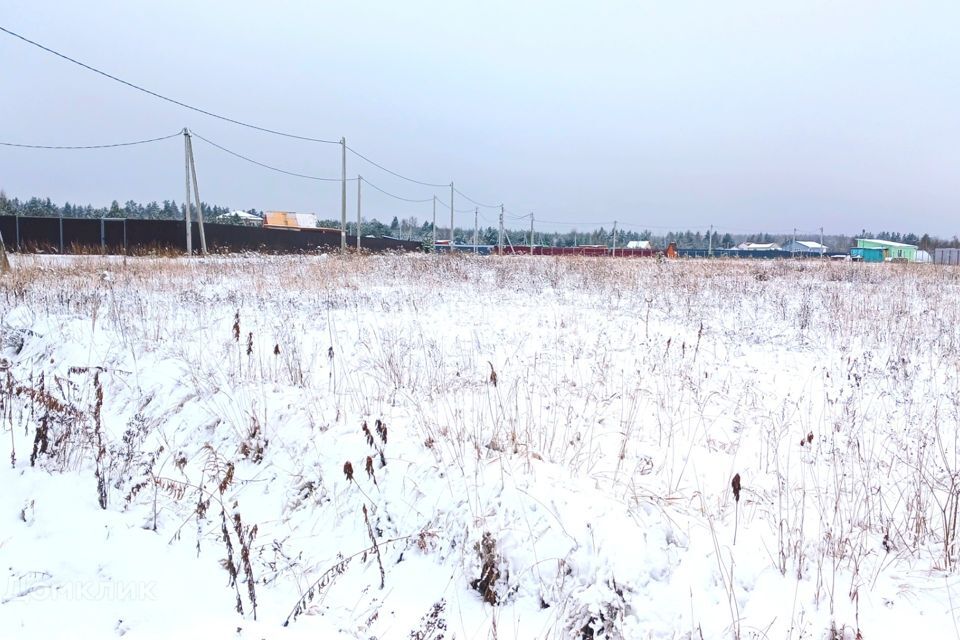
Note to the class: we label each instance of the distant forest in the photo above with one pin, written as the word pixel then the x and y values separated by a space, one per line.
pixel 412 229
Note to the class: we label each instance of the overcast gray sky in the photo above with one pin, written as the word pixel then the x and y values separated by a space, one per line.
pixel 749 115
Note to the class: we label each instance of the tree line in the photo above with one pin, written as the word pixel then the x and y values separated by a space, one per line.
pixel 412 229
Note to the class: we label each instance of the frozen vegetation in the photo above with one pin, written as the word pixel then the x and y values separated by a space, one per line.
pixel 433 447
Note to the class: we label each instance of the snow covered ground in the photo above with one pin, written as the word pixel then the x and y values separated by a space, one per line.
pixel 456 447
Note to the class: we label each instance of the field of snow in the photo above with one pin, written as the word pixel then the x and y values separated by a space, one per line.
pixel 455 447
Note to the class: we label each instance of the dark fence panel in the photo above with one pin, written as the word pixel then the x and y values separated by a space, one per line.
pixel 80 235
pixel 117 236
pixel 8 229
pixel 40 235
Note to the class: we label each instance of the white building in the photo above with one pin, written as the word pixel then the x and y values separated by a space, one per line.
pixel 805 246
pixel 758 246
pixel 241 217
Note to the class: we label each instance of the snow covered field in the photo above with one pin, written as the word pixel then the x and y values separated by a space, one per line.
pixel 455 447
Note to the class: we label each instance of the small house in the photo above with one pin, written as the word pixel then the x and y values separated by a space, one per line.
pixel 897 251
pixel 807 247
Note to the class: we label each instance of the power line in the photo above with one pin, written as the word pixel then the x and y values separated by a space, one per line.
pixel 648 227
pixel 90 146
pixel 446 205
pixel 596 222
pixel 226 119
pixel 420 182
pixel 479 204
pixel 367 182
pixel 440 203
pixel 264 165
pixel 394 173
pixel 163 97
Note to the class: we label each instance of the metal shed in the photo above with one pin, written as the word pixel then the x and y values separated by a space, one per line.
pixel 867 254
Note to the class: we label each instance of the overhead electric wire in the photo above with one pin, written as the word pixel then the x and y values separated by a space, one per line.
pixel 90 146
pixel 648 227
pixel 574 222
pixel 163 97
pixel 224 118
pixel 264 165
pixel 394 173
pixel 415 181
pixel 479 204
pixel 392 195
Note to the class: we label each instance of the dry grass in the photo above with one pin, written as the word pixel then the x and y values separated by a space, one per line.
pixel 623 376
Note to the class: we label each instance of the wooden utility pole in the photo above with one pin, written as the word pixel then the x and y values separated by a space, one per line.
pixel 476 212
pixel 343 196
pixel 359 182
pixel 4 261
pixel 710 242
pixel 500 234
pixel 186 199
pixel 531 233
pixel 614 239
pixel 434 223
pixel 451 217
pixel 821 242
pixel 196 195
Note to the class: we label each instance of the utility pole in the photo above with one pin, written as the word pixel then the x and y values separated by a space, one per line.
pixel 500 234
pixel 821 242
pixel 710 242
pixel 793 247
pixel 186 200
pixel 4 261
pixel 434 223
pixel 451 217
pixel 476 212
pixel 359 182
pixel 196 195
pixel 531 233
pixel 614 253
pixel 343 196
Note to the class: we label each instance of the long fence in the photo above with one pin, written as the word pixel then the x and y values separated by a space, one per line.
pixel 129 236
pixel 624 252
pixel 755 254
pixel 946 256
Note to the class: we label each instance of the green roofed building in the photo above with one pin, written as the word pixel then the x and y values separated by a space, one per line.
pixel 891 250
